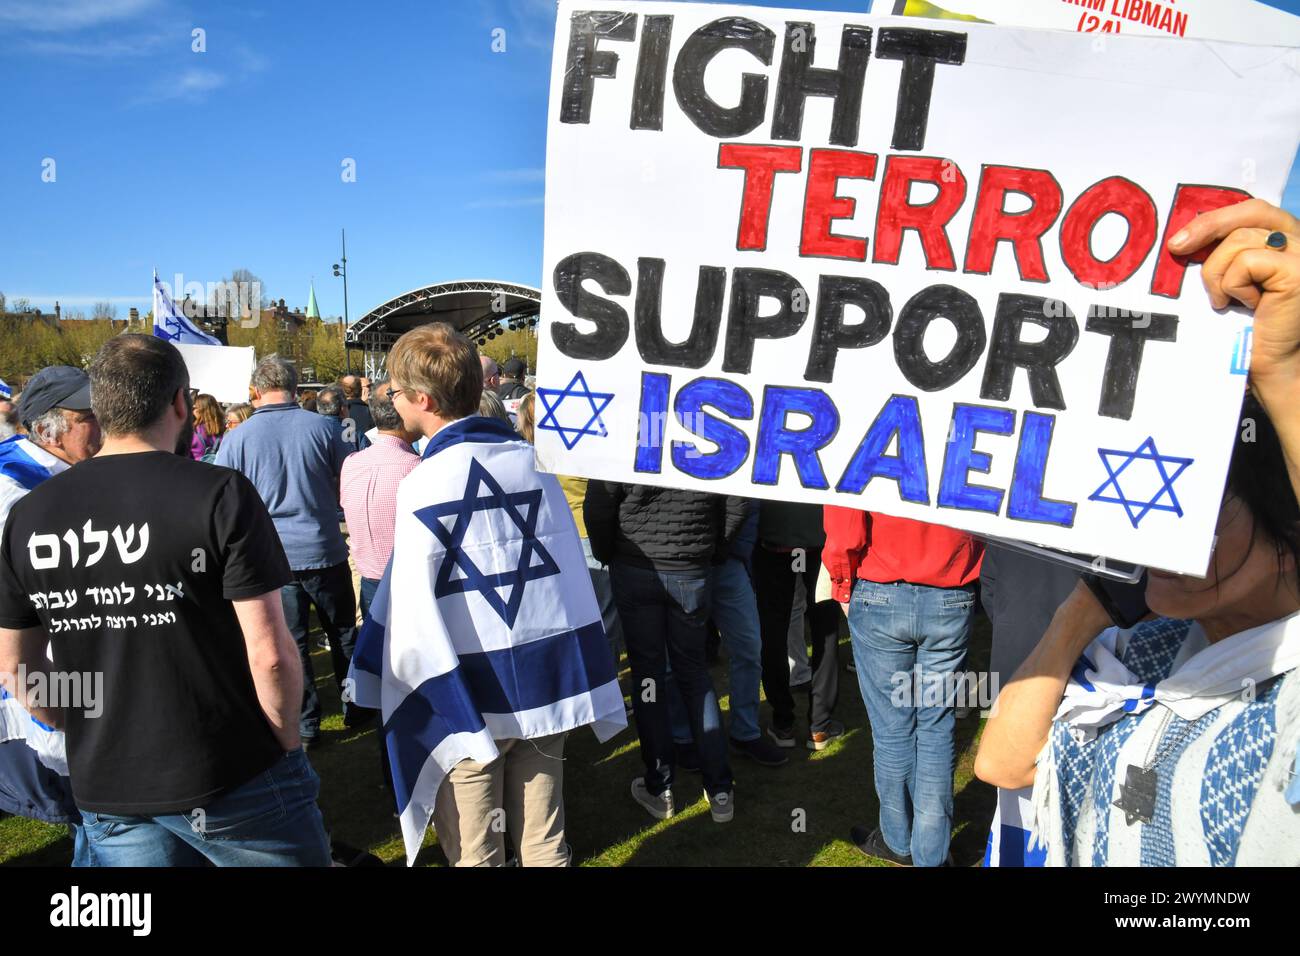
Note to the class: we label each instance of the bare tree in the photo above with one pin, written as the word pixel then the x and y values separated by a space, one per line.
pixel 242 290
pixel 103 310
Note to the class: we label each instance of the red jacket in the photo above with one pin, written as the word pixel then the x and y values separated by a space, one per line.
pixel 876 547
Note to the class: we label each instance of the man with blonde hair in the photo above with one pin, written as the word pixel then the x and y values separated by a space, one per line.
pixel 484 645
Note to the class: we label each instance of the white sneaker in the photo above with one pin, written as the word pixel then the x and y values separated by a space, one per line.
pixel 722 806
pixel 660 806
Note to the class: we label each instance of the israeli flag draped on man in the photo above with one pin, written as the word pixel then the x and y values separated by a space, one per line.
pixel 485 626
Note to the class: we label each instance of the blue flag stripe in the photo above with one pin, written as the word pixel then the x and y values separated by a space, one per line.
pixel 15 464
pixel 503 681
pixel 435 710
pixel 540 672
pixel 476 428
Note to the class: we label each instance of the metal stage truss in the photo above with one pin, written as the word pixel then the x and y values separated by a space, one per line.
pixel 481 309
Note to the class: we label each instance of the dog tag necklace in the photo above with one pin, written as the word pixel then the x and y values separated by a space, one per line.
pixel 1137 795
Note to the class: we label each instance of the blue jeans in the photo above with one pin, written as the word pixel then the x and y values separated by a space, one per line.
pixel 330 590
pixel 735 612
pixel 368 588
pixel 664 615
pixel 902 634
pixel 271 820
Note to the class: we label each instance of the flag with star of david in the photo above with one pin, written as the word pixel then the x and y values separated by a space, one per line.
pixel 170 323
pixel 485 626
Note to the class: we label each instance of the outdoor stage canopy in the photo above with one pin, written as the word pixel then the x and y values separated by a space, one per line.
pixel 481 309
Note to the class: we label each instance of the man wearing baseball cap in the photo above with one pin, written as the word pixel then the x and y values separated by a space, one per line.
pixel 512 386
pixel 61 431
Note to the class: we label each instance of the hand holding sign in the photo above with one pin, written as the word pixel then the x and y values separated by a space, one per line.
pixel 1244 268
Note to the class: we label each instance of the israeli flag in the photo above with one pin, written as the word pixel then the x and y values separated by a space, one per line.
pixel 1011 833
pixel 170 322
pixel 485 626
pixel 5 390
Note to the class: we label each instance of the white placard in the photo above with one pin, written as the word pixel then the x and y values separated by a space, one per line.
pixel 756 292
pixel 1240 21
pixel 220 371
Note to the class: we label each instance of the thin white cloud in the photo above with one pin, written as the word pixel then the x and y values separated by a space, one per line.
pixel 530 175
pixel 116 48
pixel 64 16
pixel 192 84
pixel 516 203
pixel 40 300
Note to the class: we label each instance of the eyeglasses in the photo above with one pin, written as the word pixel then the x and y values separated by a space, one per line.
pixel 390 393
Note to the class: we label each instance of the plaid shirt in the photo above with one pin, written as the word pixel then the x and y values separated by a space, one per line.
pixel 368 491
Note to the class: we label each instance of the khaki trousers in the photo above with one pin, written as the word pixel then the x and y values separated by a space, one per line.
pixel 521 790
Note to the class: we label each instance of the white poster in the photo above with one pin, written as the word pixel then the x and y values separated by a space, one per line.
pixel 911 268
pixel 220 371
pixel 1241 21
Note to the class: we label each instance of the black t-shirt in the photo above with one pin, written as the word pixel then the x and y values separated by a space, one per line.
pixel 130 563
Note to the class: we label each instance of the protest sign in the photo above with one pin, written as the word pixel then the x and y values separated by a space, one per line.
pixel 218 370
pixel 911 268
pixel 1241 21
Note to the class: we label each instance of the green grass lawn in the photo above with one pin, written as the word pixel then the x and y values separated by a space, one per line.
pixel 796 815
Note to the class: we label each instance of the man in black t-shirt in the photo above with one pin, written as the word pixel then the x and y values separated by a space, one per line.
pixel 155 580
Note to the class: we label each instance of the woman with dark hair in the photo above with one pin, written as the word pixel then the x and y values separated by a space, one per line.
pixel 1175 742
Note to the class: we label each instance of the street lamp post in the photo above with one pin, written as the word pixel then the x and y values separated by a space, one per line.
pixel 342 271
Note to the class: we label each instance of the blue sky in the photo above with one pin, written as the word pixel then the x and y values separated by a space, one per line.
pixel 201 163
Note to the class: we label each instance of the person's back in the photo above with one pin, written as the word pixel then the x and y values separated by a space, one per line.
pixel 155 580
pixel 293 458
pixel 651 527
pixel 660 544
pixel 112 549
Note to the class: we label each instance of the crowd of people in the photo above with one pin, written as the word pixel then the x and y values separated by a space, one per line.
pixel 228 526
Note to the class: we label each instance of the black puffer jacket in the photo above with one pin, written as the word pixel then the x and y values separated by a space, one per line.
pixel 662 528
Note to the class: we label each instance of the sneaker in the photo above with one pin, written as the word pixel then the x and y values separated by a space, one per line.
pixel 782 738
pixel 873 844
pixel 821 739
pixel 658 805
pixel 761 752
pixel 722 806
pixel 688 757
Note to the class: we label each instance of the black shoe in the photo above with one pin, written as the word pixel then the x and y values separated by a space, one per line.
pixel 357 717
pixel 873 844
pixel 782 738
pixel 688 758
pixel 761 751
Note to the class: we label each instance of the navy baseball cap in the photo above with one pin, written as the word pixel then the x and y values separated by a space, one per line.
pixel 58 386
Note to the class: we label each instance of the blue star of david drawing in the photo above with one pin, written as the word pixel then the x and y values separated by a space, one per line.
pixel 553 398
pixel 1138 509
pixel 520 507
